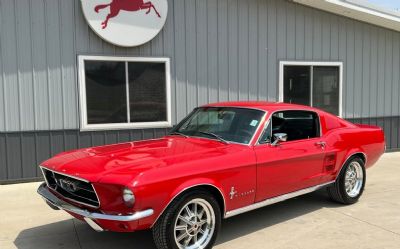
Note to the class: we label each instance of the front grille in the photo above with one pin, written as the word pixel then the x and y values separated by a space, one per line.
pixel 71 188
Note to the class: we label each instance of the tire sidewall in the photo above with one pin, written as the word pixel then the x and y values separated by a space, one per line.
pixel 348 199
pixel 181 203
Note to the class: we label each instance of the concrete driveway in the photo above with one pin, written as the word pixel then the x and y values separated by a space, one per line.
pixel 310 221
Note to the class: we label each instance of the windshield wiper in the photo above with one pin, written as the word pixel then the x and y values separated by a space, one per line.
pixel 178 133
pixel 214 135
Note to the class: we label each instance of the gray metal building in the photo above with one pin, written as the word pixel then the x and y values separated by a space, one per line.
pixel 218 50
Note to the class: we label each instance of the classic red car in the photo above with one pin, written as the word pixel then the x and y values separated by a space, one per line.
pixel 222 160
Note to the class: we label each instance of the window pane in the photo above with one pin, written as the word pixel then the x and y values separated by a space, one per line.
pixel 147 91
pixel 297 85
pixel 105 92
pixel 326 89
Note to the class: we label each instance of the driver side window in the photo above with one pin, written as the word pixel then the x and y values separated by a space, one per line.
pixel 298 125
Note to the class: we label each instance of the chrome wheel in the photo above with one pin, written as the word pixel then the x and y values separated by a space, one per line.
pixel 194 225
pixel 354 178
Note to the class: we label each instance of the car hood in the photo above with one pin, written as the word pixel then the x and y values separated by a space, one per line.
pixel 133 158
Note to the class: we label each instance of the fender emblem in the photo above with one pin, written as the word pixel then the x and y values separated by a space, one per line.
pixel 232 193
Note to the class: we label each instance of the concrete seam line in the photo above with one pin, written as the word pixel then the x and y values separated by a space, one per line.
pixel 366 222
pixel 76 233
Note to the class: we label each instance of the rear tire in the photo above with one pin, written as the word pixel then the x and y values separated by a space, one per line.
pixel 194 217
pixel 350 182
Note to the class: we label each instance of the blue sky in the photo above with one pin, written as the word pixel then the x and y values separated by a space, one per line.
pixel 389 4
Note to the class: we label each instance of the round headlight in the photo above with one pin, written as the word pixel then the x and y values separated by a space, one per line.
pixel 129 197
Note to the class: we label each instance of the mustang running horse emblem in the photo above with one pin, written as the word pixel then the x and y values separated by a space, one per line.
pixel 128 5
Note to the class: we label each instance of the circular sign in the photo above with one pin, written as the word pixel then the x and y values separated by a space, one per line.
pixel 126 23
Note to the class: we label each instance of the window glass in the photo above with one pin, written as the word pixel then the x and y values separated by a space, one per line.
pixel 326 89
pixel 147 92
pixel 266 136
pixel 297 85
pixel 105 92
pixel 121 93
pixel 316 86
pixel 231 124
pixel 297 125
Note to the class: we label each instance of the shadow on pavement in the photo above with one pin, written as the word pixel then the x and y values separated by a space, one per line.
pixel 63 235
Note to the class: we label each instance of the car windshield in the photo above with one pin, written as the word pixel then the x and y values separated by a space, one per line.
pixel 226 124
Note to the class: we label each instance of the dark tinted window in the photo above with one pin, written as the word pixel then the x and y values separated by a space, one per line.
pixel 116 96
pixel 297 125
pixel 297 85
pixel 105 92
pixel 147 92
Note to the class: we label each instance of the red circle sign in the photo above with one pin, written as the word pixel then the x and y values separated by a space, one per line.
pixel 126 23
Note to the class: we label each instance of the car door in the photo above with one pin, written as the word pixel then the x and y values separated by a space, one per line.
pixel 292 165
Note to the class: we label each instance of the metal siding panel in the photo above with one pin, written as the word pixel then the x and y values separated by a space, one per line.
pixel 334 53
pixel 68 65
pixel 381 72
pixel 14 163
pixel 281 35
pixel 290 31
pixel 317 35
pixel 263 50
pixel 28 153
pixel 388 73
pixel 57 142
pixel 10 69
pixel 223 55
pixel 43 149
pixel 272 51
pixel 169 51
pixel 98 138
pixel 40 81
pixel 111 137
pixel 71 140
pixel 300 32
pixel 326 37
pixel 254 52
pixel 394 132
pixel 358 60
pixel 191 59
pixel 396 75
pixel 201 52
pixel 366 65
pixel 233 69
pixel 373 88
pixel 54 64
pixel 23 36
pixel 180 59
pixel 3 157
pixel 85 139
pixel 243 50
pixel 350 60
pixel 308 34
pixel 124 136
pixel 212 50
pixel 81 29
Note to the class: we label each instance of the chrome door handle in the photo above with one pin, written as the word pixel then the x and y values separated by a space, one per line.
pixel 321 144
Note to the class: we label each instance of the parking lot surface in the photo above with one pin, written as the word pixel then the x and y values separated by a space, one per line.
pixel 310 221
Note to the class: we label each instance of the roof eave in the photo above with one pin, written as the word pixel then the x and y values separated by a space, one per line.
pixel 362 12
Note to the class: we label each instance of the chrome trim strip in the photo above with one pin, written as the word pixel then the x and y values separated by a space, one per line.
pixel 274 200
pixel 183 190
pixel 62 205
pixel 345 161
pixel 74 177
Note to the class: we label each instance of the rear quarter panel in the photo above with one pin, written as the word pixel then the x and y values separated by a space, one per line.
pixel 345 142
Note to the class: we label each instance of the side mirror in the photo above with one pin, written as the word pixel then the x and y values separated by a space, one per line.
pixel 279 137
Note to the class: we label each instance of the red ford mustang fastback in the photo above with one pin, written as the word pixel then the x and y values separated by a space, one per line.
pixel 222 160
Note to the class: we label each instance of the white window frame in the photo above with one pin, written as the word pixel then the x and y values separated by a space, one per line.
pixel 84 126
pixel 312 64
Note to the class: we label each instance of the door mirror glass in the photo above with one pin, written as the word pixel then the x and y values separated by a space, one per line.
pixel 279 137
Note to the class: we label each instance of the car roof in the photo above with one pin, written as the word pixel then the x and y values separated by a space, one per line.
pixel 261 105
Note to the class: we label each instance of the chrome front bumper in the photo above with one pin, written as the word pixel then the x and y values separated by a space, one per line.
pixel 56 203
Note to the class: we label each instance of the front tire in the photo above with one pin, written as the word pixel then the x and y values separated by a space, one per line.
pixel 350 183
pixel 192 221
